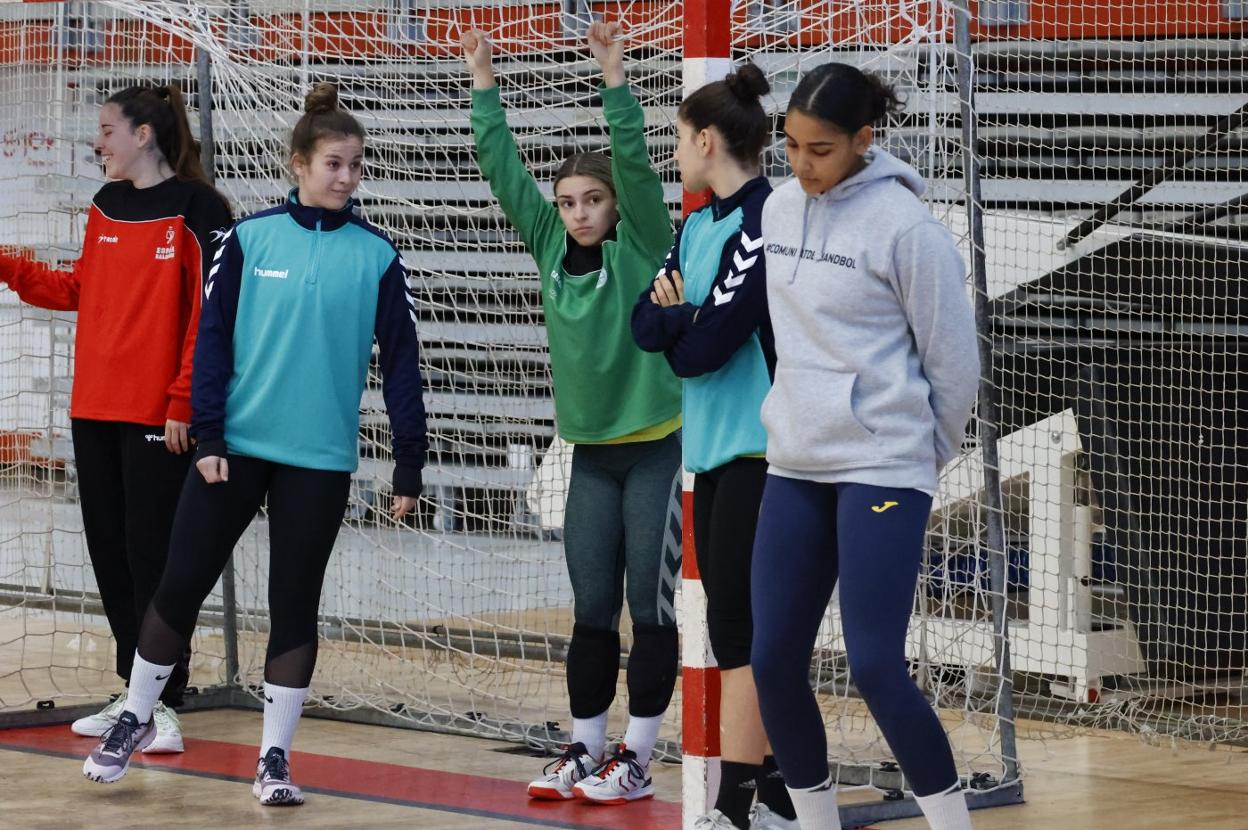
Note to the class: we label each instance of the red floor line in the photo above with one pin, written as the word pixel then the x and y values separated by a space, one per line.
pixel 392 783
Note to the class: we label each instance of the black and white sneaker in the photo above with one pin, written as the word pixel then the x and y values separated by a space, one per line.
pixel 111 758
pixel 619 780
pixel 273 785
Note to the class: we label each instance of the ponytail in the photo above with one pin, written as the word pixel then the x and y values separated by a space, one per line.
pixel 163 109
pixel 182 150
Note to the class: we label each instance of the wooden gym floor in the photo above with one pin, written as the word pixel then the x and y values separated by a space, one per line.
pixel 368 776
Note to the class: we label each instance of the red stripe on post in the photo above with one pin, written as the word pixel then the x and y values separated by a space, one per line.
pixel 707 33
pixel 688 555
pixel 708 29
pixel 700 721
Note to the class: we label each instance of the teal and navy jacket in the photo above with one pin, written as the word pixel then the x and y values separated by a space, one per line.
pixel 292 302
pixel 720 339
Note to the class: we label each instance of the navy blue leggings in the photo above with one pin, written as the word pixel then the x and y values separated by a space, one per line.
pixel 872 538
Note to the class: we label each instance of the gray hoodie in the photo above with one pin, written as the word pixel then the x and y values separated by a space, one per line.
pixel 877 365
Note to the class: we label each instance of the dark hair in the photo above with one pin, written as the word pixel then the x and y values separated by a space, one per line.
pixel 595 165
pixel 162 108
pixel 322 117
pixel 845 96
pixel 733 108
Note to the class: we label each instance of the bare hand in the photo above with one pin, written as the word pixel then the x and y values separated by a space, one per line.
pixel 401 506
pixel 177 438
pixel 213 468
pixel 606 44
pixel 668 291
pixel 479 55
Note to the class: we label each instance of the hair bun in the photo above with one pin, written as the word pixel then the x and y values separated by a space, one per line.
pixel 322 98
pixel 748 83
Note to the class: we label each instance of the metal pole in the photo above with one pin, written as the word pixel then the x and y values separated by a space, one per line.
pixel 989 423
pixel 207 147
pixel 208 159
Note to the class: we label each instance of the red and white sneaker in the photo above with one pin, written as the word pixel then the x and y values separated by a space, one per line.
pixel 561 774
pixel 620 779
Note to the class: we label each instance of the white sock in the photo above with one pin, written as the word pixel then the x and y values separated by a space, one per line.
pixel 816 806
pixel 282 708
pixel 947 810
pixel 592 732
pixel 641 736
pixel 147 681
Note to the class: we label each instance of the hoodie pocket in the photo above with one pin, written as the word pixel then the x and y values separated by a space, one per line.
pixel 811 423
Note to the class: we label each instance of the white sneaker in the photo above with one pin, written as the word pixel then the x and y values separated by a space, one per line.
pixel 763 817
pixel 714 820
pixel 94 726
pixel 168 732
pixel 273 785
pixel 619 780
pixel 563 773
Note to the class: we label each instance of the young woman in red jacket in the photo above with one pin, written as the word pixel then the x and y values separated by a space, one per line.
pixel 136 289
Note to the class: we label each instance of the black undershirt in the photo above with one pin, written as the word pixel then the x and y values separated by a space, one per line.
pixel 584 259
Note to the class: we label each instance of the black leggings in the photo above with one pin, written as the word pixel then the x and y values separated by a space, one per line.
pixel 305 513
pixel 128 484
pixel 725 515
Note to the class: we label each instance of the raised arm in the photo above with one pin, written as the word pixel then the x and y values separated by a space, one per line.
pixel 638 188
pixel 532 215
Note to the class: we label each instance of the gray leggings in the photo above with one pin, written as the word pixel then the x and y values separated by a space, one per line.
pixel 623 525
pixel 623 519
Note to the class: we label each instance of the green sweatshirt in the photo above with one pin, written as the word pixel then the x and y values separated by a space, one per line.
pixel 605 387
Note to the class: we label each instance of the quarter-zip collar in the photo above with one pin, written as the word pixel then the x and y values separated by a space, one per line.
pixel 722 207
pixel 318 218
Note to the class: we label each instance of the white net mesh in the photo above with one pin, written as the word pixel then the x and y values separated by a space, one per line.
pixel 1117 358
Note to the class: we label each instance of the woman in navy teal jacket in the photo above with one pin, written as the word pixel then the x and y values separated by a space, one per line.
pixel 292 302
pixel 707 313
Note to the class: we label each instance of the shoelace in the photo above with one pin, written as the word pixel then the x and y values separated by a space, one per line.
pixel 634 768
pixel 120 738
pixel 569 756
pixel 276 767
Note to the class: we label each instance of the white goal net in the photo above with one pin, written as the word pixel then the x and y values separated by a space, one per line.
pixel 1109 153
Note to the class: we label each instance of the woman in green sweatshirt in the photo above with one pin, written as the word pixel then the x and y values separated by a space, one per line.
pixel 596 248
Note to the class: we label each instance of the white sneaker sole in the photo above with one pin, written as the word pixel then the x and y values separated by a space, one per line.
pixel 103 775
pixel 278 796
pixel 617 798
pixel 547 792
pixel 165 745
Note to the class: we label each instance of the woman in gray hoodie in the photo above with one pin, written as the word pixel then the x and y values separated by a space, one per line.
pixel 876 373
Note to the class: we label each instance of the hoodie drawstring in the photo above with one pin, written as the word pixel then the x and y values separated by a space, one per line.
pixel 801 247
